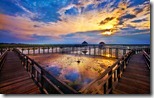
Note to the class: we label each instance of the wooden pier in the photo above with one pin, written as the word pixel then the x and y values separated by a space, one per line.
pixel 19 74
pixel 136 78
pixel 14 79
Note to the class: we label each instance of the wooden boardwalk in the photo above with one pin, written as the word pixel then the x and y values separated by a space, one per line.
pixel 14 79
pixel 136 77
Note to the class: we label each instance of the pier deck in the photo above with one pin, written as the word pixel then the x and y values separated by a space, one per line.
pixel 14 79
pixel 136 77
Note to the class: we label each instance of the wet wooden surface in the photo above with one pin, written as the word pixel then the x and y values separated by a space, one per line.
pixel 14 79
pixel 136 77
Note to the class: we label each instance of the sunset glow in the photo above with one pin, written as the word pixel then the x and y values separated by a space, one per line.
pixel 107 33
pixel 54 21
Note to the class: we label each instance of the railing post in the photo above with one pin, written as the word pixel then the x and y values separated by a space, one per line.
pixel 28 50
pixel 76 49
pixel 27 64
pixel 119 71
pixel 105 88
pixel 1 51
pixel 56 49
pixel 104 51
pixel 32 70
pixel 22 50
pixel 52 49
pixel 124 51
pixel 116 53
pixel 94 50
pixel 110 52
pixel 89 50
pixel 39 50
pixel 110 81
pixel 48 50
pixel 43 50
pixel 33 50
pixel 42 81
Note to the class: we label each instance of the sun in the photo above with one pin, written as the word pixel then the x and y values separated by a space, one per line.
pixel 107 33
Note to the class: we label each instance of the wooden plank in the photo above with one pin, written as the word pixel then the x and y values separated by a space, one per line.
pixel 136 77
pixel 14 79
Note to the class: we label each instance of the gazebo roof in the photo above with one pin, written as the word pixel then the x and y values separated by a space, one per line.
pixel 101 43
pixel 84 43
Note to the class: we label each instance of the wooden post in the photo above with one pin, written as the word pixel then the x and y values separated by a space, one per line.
pixel 73 50
pixel 116 53
pixel 115 75
pixel 52 49
pixel 39 50
pixel 56 49
pixel 33 50
pixel 1 51
pixel 124 51
pixel 104 51
pixel 94 50
pixel 43 50
pixel 105 88
pixel 89 50
pixel 28 50
pixel 125 64
pixel 99 49
pixel 110 51
pixel 48 50
pixel 77 50
pixel 61 49
pixel 22 50
pixel 42 81
pixel 81 50
pixel 26 63
pixel 110 81
pixel 27 67
pixel 119 71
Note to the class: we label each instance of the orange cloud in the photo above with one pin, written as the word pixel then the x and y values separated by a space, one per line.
pixel 104 21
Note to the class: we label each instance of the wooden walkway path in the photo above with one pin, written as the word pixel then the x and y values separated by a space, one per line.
pixel 14 79
pixel 136 77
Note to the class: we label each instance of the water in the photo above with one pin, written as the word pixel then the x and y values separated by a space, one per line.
pixel 75 70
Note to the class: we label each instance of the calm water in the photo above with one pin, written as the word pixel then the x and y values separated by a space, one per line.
pixel 75 70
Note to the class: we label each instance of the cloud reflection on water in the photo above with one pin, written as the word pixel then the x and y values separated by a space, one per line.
pixel 66 68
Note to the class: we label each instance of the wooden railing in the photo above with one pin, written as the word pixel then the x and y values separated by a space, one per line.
pixel 147 58
pixel 2 59
pixel 111 75
pixel 47 82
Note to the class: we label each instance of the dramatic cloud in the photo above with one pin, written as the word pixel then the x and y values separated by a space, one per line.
pixel 56 19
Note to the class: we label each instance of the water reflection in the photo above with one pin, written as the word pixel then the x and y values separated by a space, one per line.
pixel 54 70
pixel 76 71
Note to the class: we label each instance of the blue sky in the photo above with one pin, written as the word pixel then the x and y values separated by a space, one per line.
pixel 74 21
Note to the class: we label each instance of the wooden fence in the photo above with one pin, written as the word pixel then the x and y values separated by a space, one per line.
pixel 2 59
pixel 112 74
pixel 147 58
pixel 47 82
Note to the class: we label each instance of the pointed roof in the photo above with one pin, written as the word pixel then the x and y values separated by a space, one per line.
pixel 84 43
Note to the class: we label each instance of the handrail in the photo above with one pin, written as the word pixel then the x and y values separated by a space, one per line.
pixel 112 74
pixel 46 81
pixel 2 59
pixel 147 58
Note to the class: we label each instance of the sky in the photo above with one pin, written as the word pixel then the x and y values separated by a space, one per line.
pixel 75 21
